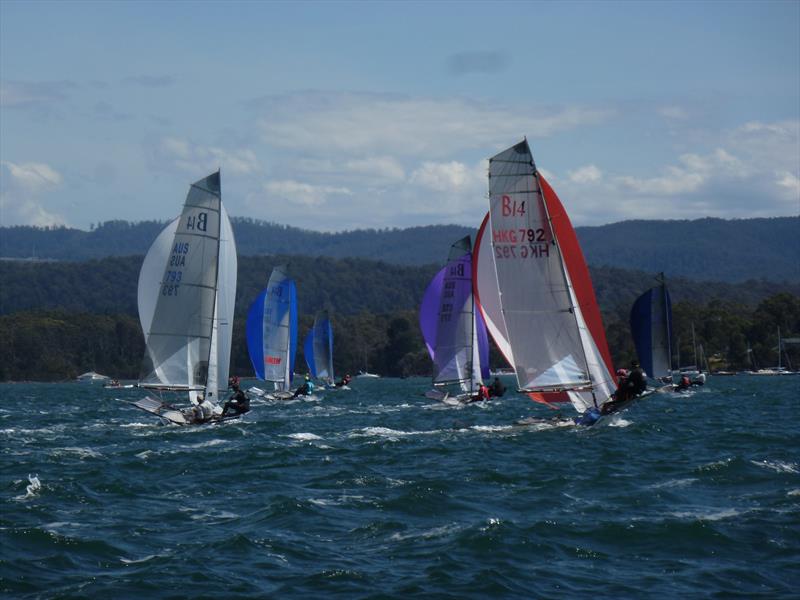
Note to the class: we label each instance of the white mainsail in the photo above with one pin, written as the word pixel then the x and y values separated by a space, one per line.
pixel 537 305
pixel 456 357
pixel 186 296
pixel 526 292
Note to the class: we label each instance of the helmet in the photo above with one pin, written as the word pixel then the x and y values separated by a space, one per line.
pixel 634 363
pixel 307 377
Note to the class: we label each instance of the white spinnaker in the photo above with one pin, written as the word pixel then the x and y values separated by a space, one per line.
pixel 537 306
pixel 180 320
pixel 489 292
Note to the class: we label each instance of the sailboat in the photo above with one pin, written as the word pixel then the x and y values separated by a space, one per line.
pixel 186 297
pixel 318 349
pixel 777 370
pixel 454 332
pixel 272 334
pixel 535 293
pixel 651 327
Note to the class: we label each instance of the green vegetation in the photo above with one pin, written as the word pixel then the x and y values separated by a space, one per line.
pixel 57 345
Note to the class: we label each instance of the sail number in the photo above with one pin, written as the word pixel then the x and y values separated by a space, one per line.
pixel 512 208
pixel 171 283
pixel 518 235
pixel 521 251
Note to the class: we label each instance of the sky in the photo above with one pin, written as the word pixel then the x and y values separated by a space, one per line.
pixel 340 115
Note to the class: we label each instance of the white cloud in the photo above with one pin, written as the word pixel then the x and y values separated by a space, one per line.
pixel 33 176
pixel 193 158
pixel 790 182
pixel 675 113
pixel 404 126
pixel 23 190
pixel 442 176
pixel 304 194
pixel 753 170
pixel 29 94
pixel 587 174
pixel 383 168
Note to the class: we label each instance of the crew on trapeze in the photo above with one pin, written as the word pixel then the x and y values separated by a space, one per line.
pixel 306 389
pixel 345 381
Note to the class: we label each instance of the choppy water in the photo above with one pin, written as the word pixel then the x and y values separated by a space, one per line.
pixel 378 493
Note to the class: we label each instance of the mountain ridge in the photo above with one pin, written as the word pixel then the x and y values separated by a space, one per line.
pixel 709 248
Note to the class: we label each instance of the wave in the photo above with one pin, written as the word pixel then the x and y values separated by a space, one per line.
pixel 777 466
pixel 304 437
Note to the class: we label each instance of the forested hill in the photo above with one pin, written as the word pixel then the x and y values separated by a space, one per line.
pixel 346 286
pixel 703 249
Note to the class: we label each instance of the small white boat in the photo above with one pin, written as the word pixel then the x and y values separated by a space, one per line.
pixel 367 375
pixel 92 377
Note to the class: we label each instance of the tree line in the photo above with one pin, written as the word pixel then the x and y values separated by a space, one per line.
pixel 55 345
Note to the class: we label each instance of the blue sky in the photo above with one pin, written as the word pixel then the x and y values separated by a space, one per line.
pixel 337 115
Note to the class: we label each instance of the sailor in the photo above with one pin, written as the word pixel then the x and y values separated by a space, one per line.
pixel 497 389
pixel 621 393
pixel 306 389
pixel 637 383
pixel 345 381
pixel 203 410
pixel 683 384
pixel 238 402
pixel 483 394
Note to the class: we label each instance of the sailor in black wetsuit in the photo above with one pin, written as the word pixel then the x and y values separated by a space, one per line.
pixel 238 402
pixel 497 389
pixel 637 383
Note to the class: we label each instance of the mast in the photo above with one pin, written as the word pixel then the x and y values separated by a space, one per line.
pixel 212 349
pixel 779 348
pixel 694 348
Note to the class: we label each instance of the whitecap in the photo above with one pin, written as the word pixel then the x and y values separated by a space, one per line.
pixel 777 466
pixel 304 437
pixel 618 421
pixel 134 561
pixel 32 489
pixel 428 533
pixel 390 433
pixel 492 428
pixel 793 492
pixel 670 483
pixel 726 513
pixel 81 452
pixel 208 444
